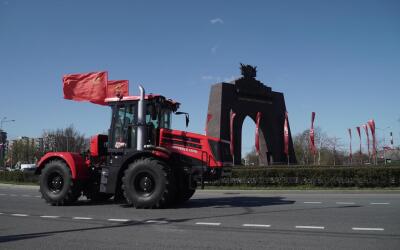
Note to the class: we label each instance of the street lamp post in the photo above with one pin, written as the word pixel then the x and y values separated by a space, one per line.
pixel 4 120
pixel 384 141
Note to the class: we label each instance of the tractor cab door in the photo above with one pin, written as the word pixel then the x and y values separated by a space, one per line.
pixel 123 129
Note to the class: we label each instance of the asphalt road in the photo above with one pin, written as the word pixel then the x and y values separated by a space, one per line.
pixel 210 220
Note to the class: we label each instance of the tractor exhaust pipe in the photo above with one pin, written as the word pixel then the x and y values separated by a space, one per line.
pixel 141 128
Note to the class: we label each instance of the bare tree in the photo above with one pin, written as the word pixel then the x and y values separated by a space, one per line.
pixel 329 150
pixel 68 140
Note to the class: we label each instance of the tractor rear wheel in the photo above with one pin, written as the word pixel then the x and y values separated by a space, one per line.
pixel 56 184
pixel 148 183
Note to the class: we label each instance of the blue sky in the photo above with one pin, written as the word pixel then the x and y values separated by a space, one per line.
pixel 340 59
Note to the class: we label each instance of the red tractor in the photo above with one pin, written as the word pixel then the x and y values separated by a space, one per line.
pixel 141 160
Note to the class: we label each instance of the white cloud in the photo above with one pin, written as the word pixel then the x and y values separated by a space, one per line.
pixel 214 49
pixel 218 78
pixel 216 21
pixel 230 79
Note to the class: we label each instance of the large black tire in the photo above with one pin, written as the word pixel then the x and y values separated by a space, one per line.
pixel 148 183
pixel 185 190
pixel 56 184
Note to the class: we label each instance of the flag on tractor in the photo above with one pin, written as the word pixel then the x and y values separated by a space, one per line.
pixel 257 138
pixel 313 149
pixel 86 87
pixel 232 118
pixel 118 88
pixel 286 134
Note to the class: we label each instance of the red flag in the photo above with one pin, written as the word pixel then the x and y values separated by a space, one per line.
pixel 232 118
pixel 209 117
pixel 359 135
pixel 351 153
pixel 371 124
pixel 313 149
pixel 86 87
pixel 257 139
pixel 365 126
pixel 286 134
pixel 117 88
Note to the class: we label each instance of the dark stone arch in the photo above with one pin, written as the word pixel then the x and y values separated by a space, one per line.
pixel 246 96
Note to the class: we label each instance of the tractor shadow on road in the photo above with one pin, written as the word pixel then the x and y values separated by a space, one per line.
pixel 236 201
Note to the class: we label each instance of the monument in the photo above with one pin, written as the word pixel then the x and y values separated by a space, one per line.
pixel 244 97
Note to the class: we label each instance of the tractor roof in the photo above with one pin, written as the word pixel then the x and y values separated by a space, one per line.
pixel 155 97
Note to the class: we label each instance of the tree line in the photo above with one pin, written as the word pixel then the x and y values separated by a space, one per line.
pixel 30 150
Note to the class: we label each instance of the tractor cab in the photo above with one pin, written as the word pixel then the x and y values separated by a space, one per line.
pixel 125 122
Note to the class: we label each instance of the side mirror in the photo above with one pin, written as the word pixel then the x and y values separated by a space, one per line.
pixel 186 117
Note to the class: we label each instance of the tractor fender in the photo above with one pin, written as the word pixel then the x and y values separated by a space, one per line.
pixel 76 163
pixel 158 154
pixel 153 152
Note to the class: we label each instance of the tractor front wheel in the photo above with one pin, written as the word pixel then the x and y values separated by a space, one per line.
pixel 56 184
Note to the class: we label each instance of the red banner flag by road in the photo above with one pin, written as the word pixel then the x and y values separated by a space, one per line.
pixel 117 88
pixel 371 124
pixel 351 153
pixel 365 126
pixel 359 136
pixel 312 136
pixel 232 118
pixel 209 117
pixel 86 87
pixel 257 139
pixel 286 134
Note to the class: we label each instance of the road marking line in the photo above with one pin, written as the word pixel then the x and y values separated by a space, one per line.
pixel 20 215
pixel 50 216
pixel 255 225
pixel 25 195
pixel 13 195
pixel 208 223
pixel 312 202
pixel 380 203
pixel 119 220
pixel 310 227
pixel 157 221
pixel 345 203
pixel 37 196
pixel 368 228
pixel 1 213
pixel 82 218
pixel 3 194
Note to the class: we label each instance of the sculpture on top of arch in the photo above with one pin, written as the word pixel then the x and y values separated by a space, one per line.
pixel 243 97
